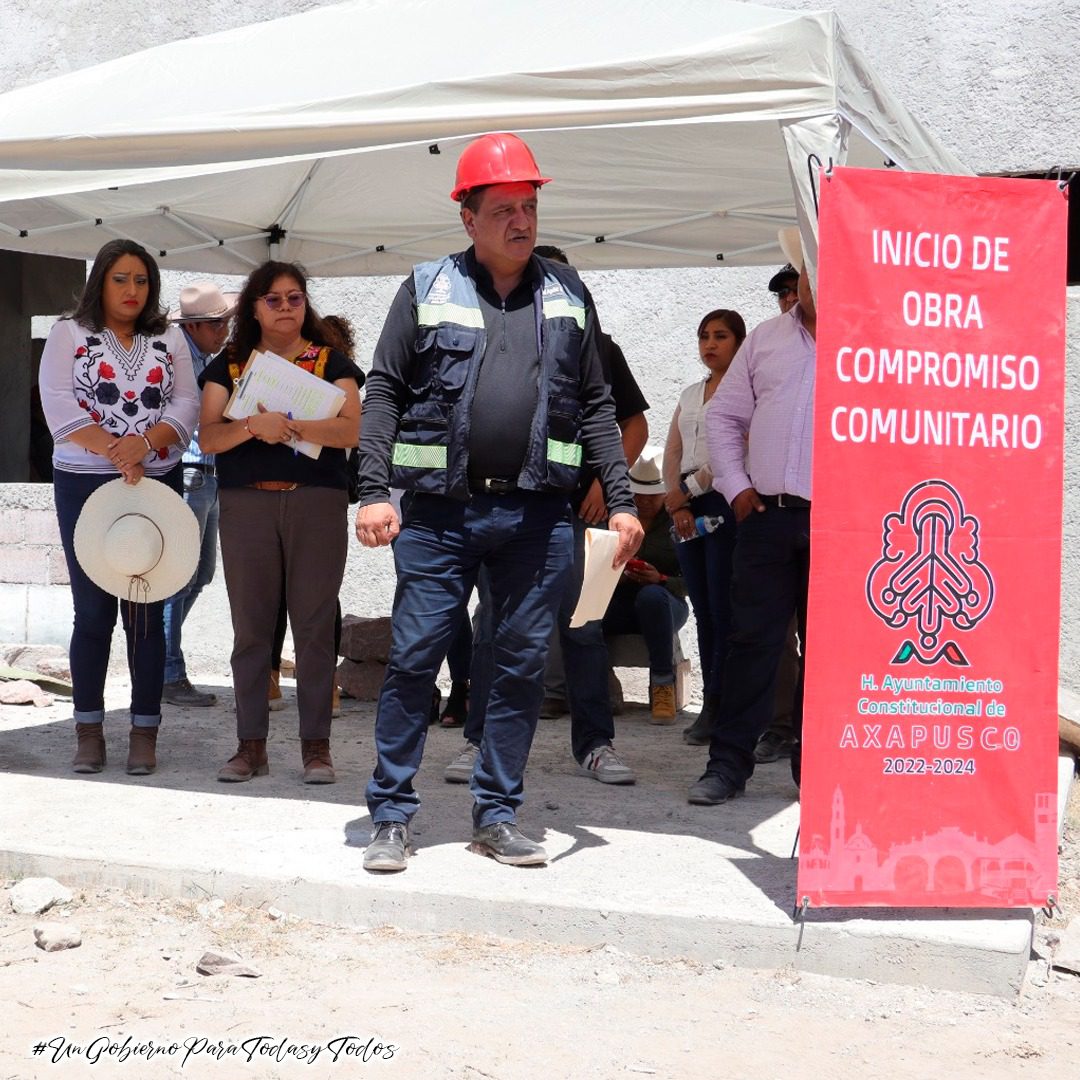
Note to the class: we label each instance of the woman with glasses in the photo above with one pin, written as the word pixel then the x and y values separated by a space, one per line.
pixel 705 560
pixel 283 516
pixel 119 396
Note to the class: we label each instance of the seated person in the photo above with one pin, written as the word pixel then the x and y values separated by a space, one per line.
pixel 650 598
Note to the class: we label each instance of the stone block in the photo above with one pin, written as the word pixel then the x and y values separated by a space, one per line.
pixel 58 568
pixel 51 660
pixel 12 528
pixel 365 639
pixel 1069 718
pixel 41 527
pixel 24 566
pixel 12 612
pixel 48 615
pixel 361 680
pixel 32 896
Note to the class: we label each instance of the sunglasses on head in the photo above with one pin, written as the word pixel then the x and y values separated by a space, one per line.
pixel 274 301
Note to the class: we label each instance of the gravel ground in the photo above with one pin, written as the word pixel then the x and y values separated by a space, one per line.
pixel 330 1002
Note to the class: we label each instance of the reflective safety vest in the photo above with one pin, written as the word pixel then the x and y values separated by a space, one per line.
pixel 431 449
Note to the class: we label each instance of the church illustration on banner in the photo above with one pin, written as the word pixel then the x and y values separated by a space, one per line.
pixel 944 867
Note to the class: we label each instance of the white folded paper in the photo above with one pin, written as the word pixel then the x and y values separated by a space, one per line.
pixel 600 578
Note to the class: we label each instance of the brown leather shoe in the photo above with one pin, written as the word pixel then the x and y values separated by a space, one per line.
pixel 248 761
pixel 142 743
pixel 90 752
pixel 318 768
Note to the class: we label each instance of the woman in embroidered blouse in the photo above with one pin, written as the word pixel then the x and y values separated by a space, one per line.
pixel 705 561
pixel 283 516
pixel 119 395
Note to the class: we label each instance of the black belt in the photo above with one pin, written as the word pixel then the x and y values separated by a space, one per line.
pixel 786 502
pixel 492 485
pixel 207 467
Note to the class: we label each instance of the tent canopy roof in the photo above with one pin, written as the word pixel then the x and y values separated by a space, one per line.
pixel 677 134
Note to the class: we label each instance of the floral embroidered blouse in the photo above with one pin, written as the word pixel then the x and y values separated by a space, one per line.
pixel 87 377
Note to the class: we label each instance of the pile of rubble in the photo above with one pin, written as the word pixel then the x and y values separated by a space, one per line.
pixel 365 646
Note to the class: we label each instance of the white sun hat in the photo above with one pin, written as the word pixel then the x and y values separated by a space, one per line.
pixel 137 541
pixel 647 473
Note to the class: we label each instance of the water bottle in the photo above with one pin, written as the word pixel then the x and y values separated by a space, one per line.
pixel 703 525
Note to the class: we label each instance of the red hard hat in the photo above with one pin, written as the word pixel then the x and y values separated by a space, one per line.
pixel 495 159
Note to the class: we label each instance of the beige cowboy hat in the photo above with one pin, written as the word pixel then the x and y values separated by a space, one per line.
pixel 791 246
pixel 137 541
pixel 203 301
pixel 647 473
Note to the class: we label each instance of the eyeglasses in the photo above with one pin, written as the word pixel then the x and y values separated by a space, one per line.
pixel 274 301
pixel 784 293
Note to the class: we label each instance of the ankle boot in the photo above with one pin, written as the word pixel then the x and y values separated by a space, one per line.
pixel 318 768
pixel 90 752
pixel 699 733
pixel 248 761
pixel 142 744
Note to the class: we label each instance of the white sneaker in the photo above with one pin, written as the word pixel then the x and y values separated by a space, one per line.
pixel 603 764
pixel 460 770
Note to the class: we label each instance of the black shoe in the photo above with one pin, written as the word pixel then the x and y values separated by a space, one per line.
pixel 504 842
pixel 700 732
pixel 182 692
pixel 772 746
pixel 711 790
pixel 389 846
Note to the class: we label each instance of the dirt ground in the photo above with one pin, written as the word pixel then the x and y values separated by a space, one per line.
pixel 336 1003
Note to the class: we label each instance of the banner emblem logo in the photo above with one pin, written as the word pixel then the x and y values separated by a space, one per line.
pixel 929 573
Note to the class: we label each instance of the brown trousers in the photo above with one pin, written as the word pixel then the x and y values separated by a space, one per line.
pixel 300 537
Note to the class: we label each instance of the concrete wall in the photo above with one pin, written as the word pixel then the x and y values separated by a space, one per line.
pixel 992 79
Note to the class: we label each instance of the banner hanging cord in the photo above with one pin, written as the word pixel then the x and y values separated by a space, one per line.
pixel 810 159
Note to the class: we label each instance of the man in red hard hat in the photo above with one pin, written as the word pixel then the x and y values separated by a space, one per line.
pixel 486 396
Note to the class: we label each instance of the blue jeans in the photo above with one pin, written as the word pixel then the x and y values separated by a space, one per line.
pixel 771 575
pixel 95 616
pixel 706 569
pixel 523 540
pixel 656 615
pixel 201 494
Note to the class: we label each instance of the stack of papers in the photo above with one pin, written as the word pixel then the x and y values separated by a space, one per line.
pixel 280 386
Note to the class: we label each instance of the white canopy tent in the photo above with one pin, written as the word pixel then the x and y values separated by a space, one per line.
pixel 678 134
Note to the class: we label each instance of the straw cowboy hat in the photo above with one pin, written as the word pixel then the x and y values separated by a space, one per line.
pixel 137 541
pixel 647 473
pixel 791 245
pixel 204 301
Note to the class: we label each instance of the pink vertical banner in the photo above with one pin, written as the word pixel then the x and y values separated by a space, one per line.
pixel 930 734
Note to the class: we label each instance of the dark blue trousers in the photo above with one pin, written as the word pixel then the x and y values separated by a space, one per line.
pixel 524 542
pixel 706 570
pixel 771 574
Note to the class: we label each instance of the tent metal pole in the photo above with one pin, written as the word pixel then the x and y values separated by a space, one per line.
pixel 82 224
pixel 211 241
pixel 377 249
